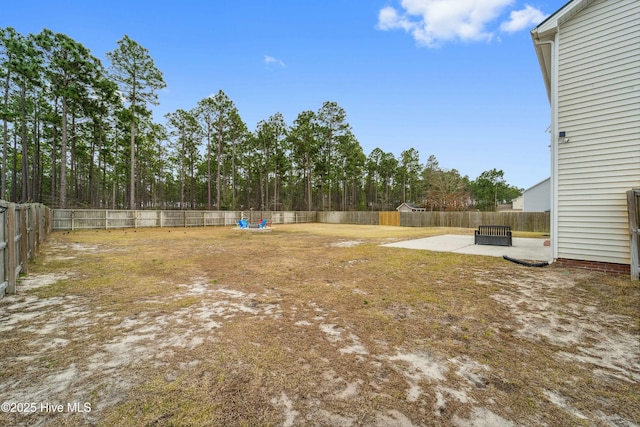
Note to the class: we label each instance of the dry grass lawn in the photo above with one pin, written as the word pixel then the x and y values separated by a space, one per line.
pixel 313 325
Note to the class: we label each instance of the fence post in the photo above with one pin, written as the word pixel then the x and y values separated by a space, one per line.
pixel 39 224
pixel 47 221
pixel 24 239
pixel 11 249
pixel 33 223
pixel 44 212
pixel 35 229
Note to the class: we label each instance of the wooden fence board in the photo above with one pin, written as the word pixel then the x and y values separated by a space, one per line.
pixel 633 204
pixel 24 228
pixel 389 218
pixel 3 248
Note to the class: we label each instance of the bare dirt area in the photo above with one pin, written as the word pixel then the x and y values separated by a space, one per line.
pixel 312 325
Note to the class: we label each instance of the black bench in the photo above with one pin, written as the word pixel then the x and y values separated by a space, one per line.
pixel 499 235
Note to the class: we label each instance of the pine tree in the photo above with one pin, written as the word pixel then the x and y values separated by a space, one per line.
pixel 133 69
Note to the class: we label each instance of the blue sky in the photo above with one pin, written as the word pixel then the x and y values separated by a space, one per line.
pixel 458 79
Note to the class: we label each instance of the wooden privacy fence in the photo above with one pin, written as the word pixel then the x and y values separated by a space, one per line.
pixel 633 203
pixel 350 217
pixel 518 221
pixel 24 228
pixel 83 219
pixel 360 217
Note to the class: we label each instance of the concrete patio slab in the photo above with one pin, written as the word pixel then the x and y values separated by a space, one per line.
pixel 523 248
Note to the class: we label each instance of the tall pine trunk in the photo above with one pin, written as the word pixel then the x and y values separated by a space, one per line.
pixel 208 168
pixel 219 171
pixel 25 147
pixel 5 140
pixel 63 157
pixel 132 160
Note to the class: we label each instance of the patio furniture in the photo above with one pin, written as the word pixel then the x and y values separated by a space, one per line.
pixel 497 235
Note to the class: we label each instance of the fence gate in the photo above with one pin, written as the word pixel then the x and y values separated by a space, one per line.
pixel 389 218
pixel 633 203
pixel 23 227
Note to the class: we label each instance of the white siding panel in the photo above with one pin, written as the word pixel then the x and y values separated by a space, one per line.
pixel 597 221
pixel 605 162
pixel 616 91
pixel 599 109
pixel 599 170
pixel 618 109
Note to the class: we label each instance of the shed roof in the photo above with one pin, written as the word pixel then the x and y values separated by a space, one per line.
pixel 410 205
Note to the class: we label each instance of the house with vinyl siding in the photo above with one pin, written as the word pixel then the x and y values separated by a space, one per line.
pixel 589 55
pixel 537 198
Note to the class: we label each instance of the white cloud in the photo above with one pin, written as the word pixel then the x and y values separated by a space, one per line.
pixel 271 60
pixel 523 19
pixel 388 19
pixel 433 22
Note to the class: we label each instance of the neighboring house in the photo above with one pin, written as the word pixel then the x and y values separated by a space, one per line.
pixel 534 199
pixel 518 203
pixel 410 207
pixel 589 55
pixel 538 197
pixel 507 207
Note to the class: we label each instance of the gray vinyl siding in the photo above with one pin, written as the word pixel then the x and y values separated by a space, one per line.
pixel 599 109
pixel 538 197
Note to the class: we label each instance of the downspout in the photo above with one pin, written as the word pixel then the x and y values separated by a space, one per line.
pixel 554 147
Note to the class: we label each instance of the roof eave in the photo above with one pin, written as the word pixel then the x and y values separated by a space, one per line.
pixel 543 52
pixel 546 32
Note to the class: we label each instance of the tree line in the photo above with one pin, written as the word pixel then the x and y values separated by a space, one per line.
pixel 78 134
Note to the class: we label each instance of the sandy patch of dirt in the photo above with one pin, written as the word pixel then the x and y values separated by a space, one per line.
pixel 604 344
pixel 346 244
pixel 302 358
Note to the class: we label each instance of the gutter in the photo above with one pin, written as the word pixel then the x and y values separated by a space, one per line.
pixel 553 83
